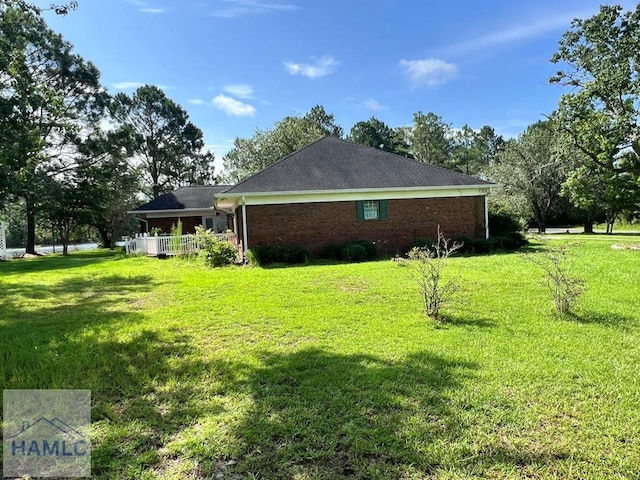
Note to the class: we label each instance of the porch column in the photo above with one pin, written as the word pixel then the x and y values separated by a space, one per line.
pixel 486 216
pixel 245 245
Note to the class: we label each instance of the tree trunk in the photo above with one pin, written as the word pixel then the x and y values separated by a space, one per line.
pixel 107 242
pixel 588 226
pixel 542 228
pixel 31 226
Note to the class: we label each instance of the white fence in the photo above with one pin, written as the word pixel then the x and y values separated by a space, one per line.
pixel 3 242
pixel 154 246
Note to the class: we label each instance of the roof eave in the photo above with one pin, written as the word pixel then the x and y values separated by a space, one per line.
pixel 487 186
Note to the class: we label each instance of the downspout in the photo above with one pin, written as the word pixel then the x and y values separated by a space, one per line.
pixel 146 223
pixel 245 244
pixel 486 216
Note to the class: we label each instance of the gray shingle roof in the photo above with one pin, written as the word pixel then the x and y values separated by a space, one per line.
pixel 185 197
pixel 334 164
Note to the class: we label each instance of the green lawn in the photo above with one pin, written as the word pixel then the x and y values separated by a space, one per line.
pixel 331 371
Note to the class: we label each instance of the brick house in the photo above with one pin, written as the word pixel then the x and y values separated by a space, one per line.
pixel 193 205
pixel 335 191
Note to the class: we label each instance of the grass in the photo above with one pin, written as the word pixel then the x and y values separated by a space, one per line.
pixel 332 371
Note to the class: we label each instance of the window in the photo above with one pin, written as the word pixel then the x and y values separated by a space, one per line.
pixel 371 210
pixel 209 223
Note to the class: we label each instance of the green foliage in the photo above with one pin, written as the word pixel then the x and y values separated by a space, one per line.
pixel 353 252
pixel 169 148
pixel 175 241
pixel 501 223
pixel 431 139
pixel 221 253
pixel 250 155
pixel 214 252
pixel 598 60
pixel 43 110
pixel 328 371
pixel 375 133
pixel 422 243
pixel 356 251
pixel 531 170
pixel 276 253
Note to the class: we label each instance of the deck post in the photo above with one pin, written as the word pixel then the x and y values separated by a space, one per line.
pixel 3 242
pixel 486 216
pixel 245 244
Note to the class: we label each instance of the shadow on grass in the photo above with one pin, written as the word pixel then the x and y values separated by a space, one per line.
pixel 323 415
pixel 58 262
pixel 318 414
pixel 608 319
pixel 91 333
pixel 449 320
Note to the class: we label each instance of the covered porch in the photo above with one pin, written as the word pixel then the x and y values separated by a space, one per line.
pixel 168 245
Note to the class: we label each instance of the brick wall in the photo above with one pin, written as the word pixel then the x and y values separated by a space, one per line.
pixel 188 223
pixel 314 225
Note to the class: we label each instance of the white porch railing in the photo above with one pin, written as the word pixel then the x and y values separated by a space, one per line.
pixel 3 242
pixel 144 244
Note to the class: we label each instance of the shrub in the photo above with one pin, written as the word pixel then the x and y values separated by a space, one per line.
pixel 220 254
pixel 369 247
pixel 354 253
pixel 276 253
pixel 467 244
pixel 564 287
pixel 422 243
pixel 333 251
pixel 502 223
pixel 215 252
pixel 426 266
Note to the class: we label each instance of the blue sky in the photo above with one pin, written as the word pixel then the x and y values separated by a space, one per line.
pixel 238 65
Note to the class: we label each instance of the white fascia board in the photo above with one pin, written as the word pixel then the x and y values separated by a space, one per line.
pixel 271 198
pixel 183 212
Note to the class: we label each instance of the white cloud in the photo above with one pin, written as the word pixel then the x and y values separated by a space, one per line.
pixel 151 10
pixel 321 67
pixel 373 104
pixel 516 33
pixel 238 8
pixel 231 106
pixel 428 72
pixel 239 90
pixel 127 85
pixel 196 101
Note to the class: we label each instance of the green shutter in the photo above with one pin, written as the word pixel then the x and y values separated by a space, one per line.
pixel 383 209
pixel 360 211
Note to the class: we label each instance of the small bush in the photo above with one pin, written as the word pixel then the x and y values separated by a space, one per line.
pixel 514 240
pixel 426 266
pixel 276 253
pixel 467 244
pixel 357 251
pixel 253 257
pixel 216 253
pixel 502 223
pixel 219 254
pixel 422 243
pixel 354 253
pixel 369 247
pixel 565 287
pixel 333 251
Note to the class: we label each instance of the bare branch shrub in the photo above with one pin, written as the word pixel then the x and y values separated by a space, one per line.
pixel 564 286
pixel 426 266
